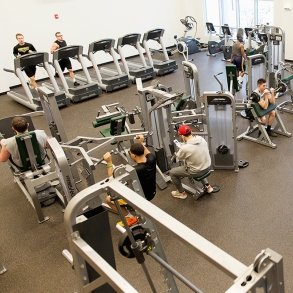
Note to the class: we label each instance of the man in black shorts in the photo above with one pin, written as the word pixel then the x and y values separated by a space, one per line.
pixel 24 48
pixel 145 166
pixel 65 62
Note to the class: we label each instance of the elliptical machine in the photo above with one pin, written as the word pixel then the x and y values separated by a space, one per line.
pixel 190 42
pixel 215 44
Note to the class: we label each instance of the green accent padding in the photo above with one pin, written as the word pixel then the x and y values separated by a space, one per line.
pixel 107 132
pixel 104 120
pixel 203 176
pixel 26 164
pixel 231 69
pixel 288 78
pixel 260 111
pixel 181 103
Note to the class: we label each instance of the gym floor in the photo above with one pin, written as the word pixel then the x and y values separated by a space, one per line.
pixel 253 210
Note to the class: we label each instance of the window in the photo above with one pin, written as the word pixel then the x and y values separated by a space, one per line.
pixel 246 13
pixel 265 12
pixel 240 13
pixel 212 13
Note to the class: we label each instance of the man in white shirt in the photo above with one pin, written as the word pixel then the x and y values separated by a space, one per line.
pixel 195 155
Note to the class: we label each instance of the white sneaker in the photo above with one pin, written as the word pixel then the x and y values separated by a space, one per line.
pixel 177 194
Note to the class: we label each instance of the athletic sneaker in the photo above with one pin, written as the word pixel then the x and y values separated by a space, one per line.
pixel 76 83
pixel 271 133
pixel 178 194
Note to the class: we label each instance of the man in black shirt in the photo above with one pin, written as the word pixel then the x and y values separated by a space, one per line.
pixel 65 62
pixel 145 166
pixel 23 48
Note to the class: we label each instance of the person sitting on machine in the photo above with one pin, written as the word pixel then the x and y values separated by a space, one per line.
pixel 238 57
pixel 265 98
pixel 195 154
pixel 65 62
pixel 9 149
pixel 145 168
pixel 24 48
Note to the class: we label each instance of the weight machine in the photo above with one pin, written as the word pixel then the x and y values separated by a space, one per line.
pixel 34 177
pixel 285 82
pixel 93 270
pixel 256 68
pixel 220 113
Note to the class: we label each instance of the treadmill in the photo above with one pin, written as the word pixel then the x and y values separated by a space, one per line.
pixel 30 98
pixel 87 89
pixel 106 78
pixel 161 67
pixel 134 69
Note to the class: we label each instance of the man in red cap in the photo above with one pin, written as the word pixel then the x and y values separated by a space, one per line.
pixel 194 153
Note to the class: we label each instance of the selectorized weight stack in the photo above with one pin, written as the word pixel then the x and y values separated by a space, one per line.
pixel 221 124
pixel 220 113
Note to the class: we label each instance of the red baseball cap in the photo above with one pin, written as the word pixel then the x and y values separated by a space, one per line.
pixel 184 130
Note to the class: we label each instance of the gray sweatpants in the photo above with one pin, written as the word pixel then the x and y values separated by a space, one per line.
pixel 177 173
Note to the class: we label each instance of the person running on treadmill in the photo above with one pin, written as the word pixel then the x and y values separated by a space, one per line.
pixel 65 62
pixel 9 147
pixel 24 48
pixel 237 57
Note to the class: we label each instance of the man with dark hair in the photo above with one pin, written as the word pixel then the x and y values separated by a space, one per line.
pixel 23 48
pixel 9 146
pixel 265 97
pixel 238 57
pixel 145 166
pixel 65 62
pixel 195 155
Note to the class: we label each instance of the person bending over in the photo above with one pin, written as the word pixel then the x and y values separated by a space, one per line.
pixel 24 48
pixel 266 98
pixel 9 147
pixel 194 153
pixel 145 167
pixel 65 62
pixel 238 57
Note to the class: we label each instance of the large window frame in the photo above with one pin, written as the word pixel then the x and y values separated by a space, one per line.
pixel 236 3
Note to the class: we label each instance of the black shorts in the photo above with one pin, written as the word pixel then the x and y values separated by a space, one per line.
pixel 30 70
pixel 238 61
pixel 65 63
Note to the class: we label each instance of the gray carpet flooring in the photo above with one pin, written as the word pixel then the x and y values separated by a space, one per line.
pixel 252 211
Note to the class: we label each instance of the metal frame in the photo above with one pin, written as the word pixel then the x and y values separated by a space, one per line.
pixel 82 92
pixel 30 100
pixel 266 271
pixel 263 138
pixel 106 78
pixel 164 66
pixel 142 70
pixel 220 108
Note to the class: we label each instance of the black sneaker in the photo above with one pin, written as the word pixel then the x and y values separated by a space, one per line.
pixel 76 83
pixel 271 133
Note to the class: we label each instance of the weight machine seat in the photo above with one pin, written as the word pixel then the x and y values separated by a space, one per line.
pixel 117 127
pixel 259 111
pixel 29 161
pixel 200 178
pixel 288 78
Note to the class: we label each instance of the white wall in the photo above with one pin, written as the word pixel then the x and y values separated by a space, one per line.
pixel 283 19
pixel 81 22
